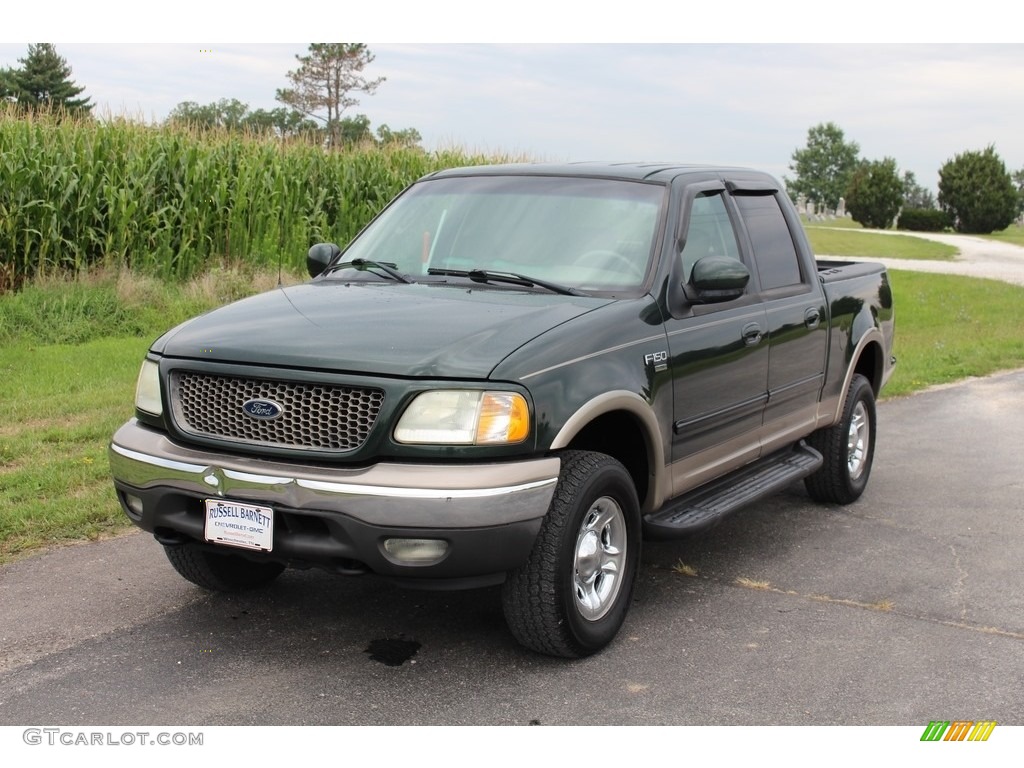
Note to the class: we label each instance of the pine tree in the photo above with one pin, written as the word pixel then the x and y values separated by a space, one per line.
pixel 44 82
pixel 327 80
pixel 7 94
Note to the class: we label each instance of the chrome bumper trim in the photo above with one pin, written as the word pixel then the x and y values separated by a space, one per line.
pixel 387 494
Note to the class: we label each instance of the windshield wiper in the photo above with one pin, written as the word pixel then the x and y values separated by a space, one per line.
pixel 387 267
pixel 491 276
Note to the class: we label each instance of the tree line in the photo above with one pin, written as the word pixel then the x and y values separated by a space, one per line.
pixel 321 89
pixel 235 116
pixel 977 194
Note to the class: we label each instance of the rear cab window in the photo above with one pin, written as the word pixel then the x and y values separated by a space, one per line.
pixel 775 255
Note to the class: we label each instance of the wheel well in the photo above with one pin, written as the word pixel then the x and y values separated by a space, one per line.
pixel 869 365
pixel 619 435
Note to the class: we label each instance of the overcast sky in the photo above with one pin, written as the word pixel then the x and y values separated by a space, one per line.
pixel 705 99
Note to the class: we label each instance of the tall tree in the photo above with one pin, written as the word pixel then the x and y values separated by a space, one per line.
pixel 824 167
pixel 325 82
pixel 44 82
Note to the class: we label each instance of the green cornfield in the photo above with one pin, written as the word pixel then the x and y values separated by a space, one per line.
pixel 172 202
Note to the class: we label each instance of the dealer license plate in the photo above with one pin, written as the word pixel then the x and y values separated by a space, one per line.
pixel 239 525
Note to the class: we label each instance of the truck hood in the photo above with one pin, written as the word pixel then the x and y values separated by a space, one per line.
pixel 419 330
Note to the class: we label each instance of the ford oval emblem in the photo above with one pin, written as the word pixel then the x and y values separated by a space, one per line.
pixel 262 409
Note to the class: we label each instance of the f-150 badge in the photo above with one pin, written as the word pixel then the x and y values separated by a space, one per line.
pixel 658 359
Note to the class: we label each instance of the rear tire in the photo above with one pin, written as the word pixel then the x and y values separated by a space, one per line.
pixel 220 572
pixel 572 595
pixel 847 447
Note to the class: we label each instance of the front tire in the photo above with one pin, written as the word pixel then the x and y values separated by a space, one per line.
pixel 572 595
pixel 219 572
pixel 847 447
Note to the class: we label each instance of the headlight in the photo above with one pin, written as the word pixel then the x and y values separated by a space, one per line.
pixel 465 417
pixel 147 389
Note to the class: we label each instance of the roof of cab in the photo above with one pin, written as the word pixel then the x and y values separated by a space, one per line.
pixel 636 171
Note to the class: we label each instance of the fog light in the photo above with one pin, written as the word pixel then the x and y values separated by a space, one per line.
pixel 415 551
pixel 134 504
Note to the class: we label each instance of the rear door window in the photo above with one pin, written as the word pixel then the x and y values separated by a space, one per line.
pixel 775 254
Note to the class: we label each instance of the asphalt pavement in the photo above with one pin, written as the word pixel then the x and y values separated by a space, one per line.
pixel 903 608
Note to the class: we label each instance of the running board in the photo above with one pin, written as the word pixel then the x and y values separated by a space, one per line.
pixel 705 507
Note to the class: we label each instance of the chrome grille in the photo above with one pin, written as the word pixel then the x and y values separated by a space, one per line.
pixel 322 417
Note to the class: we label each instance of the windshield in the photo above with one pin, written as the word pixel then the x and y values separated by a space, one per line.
pixel 589 234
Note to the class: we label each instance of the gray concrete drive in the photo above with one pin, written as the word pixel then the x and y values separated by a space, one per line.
pixel 905 607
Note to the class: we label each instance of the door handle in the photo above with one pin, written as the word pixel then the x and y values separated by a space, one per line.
pixel 812 317
pixel 752 334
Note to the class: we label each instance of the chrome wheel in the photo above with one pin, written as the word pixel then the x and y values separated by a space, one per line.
pixel 600 558
pixel 572 594
pixel 847 448
pixel 858 441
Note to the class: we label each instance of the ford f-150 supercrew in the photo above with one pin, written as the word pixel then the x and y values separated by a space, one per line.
pixel 513 375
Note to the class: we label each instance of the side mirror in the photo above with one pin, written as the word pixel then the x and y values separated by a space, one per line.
pixel 320 256
pixel 716 278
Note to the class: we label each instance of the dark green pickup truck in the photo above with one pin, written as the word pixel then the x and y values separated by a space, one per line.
pixel 513 375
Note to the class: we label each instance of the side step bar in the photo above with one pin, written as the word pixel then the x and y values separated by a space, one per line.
pixel 704 507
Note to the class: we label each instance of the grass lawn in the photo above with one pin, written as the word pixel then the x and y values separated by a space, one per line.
pixel 816 232
pixel 845 241
pixel 70 351
pixel 1013 234
pixel 950 327
pixel 60 406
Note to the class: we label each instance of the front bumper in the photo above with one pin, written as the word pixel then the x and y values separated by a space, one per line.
pixel 338 518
